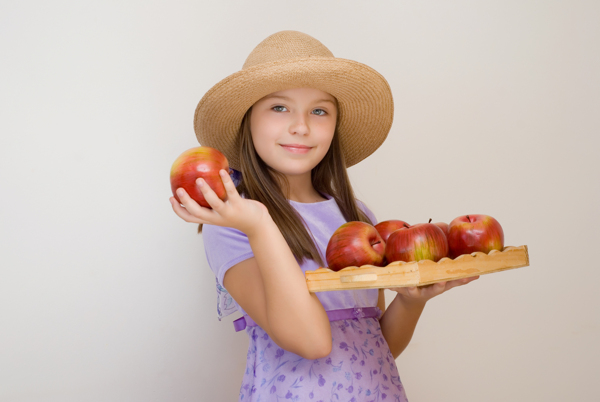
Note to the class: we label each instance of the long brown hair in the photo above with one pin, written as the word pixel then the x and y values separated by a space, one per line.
pixel 261 183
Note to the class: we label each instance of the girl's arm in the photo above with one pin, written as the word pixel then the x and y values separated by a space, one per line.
pixel 270 287
pixel 400 319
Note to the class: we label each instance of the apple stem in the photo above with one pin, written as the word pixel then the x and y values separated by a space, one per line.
pixel 429 220
pixel 406 226
pixel 468 218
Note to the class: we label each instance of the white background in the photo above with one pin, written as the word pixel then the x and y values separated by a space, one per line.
pixel 106 295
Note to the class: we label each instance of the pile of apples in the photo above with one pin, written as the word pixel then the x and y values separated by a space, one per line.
pixel 358 243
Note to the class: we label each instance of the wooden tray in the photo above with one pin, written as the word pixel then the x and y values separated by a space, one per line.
pixel 424 272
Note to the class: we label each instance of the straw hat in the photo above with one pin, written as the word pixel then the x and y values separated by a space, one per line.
pixel 291 59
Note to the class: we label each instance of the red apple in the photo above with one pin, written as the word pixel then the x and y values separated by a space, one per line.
pixel 198 162
pixel 386 228
pixel 470 233
pixel 354 244
pixel 424 241
pixel 442 225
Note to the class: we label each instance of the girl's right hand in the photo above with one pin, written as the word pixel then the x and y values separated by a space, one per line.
pixel 235 212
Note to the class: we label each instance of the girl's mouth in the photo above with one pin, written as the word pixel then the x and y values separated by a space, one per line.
pixel 296 149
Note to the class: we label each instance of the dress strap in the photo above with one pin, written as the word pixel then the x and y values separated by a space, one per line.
pixel 333 315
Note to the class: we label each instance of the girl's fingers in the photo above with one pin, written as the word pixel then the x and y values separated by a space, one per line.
pixel 191 207
pixel 469 280
pixel 432 290
pixel 182 212
pixel 209 195
pixel 460 282
pixel 413 291
pixel 229 184
pixel 185 198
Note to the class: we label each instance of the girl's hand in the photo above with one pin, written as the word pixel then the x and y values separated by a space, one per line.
pixel 421 294
pixel 235 212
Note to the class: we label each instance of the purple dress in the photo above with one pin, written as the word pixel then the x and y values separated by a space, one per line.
pixel 360 366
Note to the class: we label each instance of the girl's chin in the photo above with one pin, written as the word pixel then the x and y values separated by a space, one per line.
pixel 296 170
pixel 293 165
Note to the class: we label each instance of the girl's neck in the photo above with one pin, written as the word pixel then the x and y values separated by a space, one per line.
pixel 301 190
pixel 316 197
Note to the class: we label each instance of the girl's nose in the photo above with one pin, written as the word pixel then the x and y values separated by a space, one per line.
pixel 299 125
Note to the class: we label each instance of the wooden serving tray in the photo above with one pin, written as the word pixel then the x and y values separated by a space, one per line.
pixel 421 273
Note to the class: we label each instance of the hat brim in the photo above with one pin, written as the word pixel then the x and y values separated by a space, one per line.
pixel 365 103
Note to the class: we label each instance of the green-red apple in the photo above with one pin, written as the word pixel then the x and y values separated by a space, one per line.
pixel 424 241
pixel 386 228
pixel 205 162
pixel 471 233
pixel 442 225
pixel 355 244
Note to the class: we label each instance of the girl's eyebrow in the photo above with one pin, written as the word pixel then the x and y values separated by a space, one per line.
pixel 325 100
pixel 289 99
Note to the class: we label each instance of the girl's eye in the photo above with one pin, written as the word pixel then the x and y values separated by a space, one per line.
pixel 279 108
pixel 319 112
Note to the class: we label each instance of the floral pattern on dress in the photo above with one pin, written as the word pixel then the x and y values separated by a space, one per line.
pixel 360 367
pixel 225 304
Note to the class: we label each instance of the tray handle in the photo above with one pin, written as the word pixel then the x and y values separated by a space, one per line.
pixel 353 278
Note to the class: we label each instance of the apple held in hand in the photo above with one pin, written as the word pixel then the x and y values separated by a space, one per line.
pixel 386 228
pixel 355 244
pixel 424 241
pixel 471 233
pixel 205 162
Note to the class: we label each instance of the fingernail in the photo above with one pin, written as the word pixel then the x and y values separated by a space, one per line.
pixel 200 182
pixel 179 192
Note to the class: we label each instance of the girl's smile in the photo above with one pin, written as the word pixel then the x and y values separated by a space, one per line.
pixel 296 148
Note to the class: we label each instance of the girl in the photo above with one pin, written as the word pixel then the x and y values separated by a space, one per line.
pixel 292 120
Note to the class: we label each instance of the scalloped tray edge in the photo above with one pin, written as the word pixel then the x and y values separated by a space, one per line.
pixel 421 273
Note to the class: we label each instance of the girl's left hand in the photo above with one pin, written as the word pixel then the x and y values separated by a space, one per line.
pixel 421 294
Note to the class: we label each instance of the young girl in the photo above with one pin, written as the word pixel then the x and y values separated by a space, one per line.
pixel 291 121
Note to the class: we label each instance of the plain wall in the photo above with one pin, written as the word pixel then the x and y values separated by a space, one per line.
pixel 106 295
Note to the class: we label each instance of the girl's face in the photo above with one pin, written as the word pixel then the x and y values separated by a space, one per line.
pixel 292 129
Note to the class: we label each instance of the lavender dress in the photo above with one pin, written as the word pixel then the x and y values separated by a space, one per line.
pixel 360 366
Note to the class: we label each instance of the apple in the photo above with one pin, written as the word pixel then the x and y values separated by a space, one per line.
pixel 442 225
pixel 205 162
pixel 471 233
pixel 386 228
pixel 423 241
pixel 355 243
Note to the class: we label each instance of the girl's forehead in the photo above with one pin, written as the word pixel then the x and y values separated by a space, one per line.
pixel 301 93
